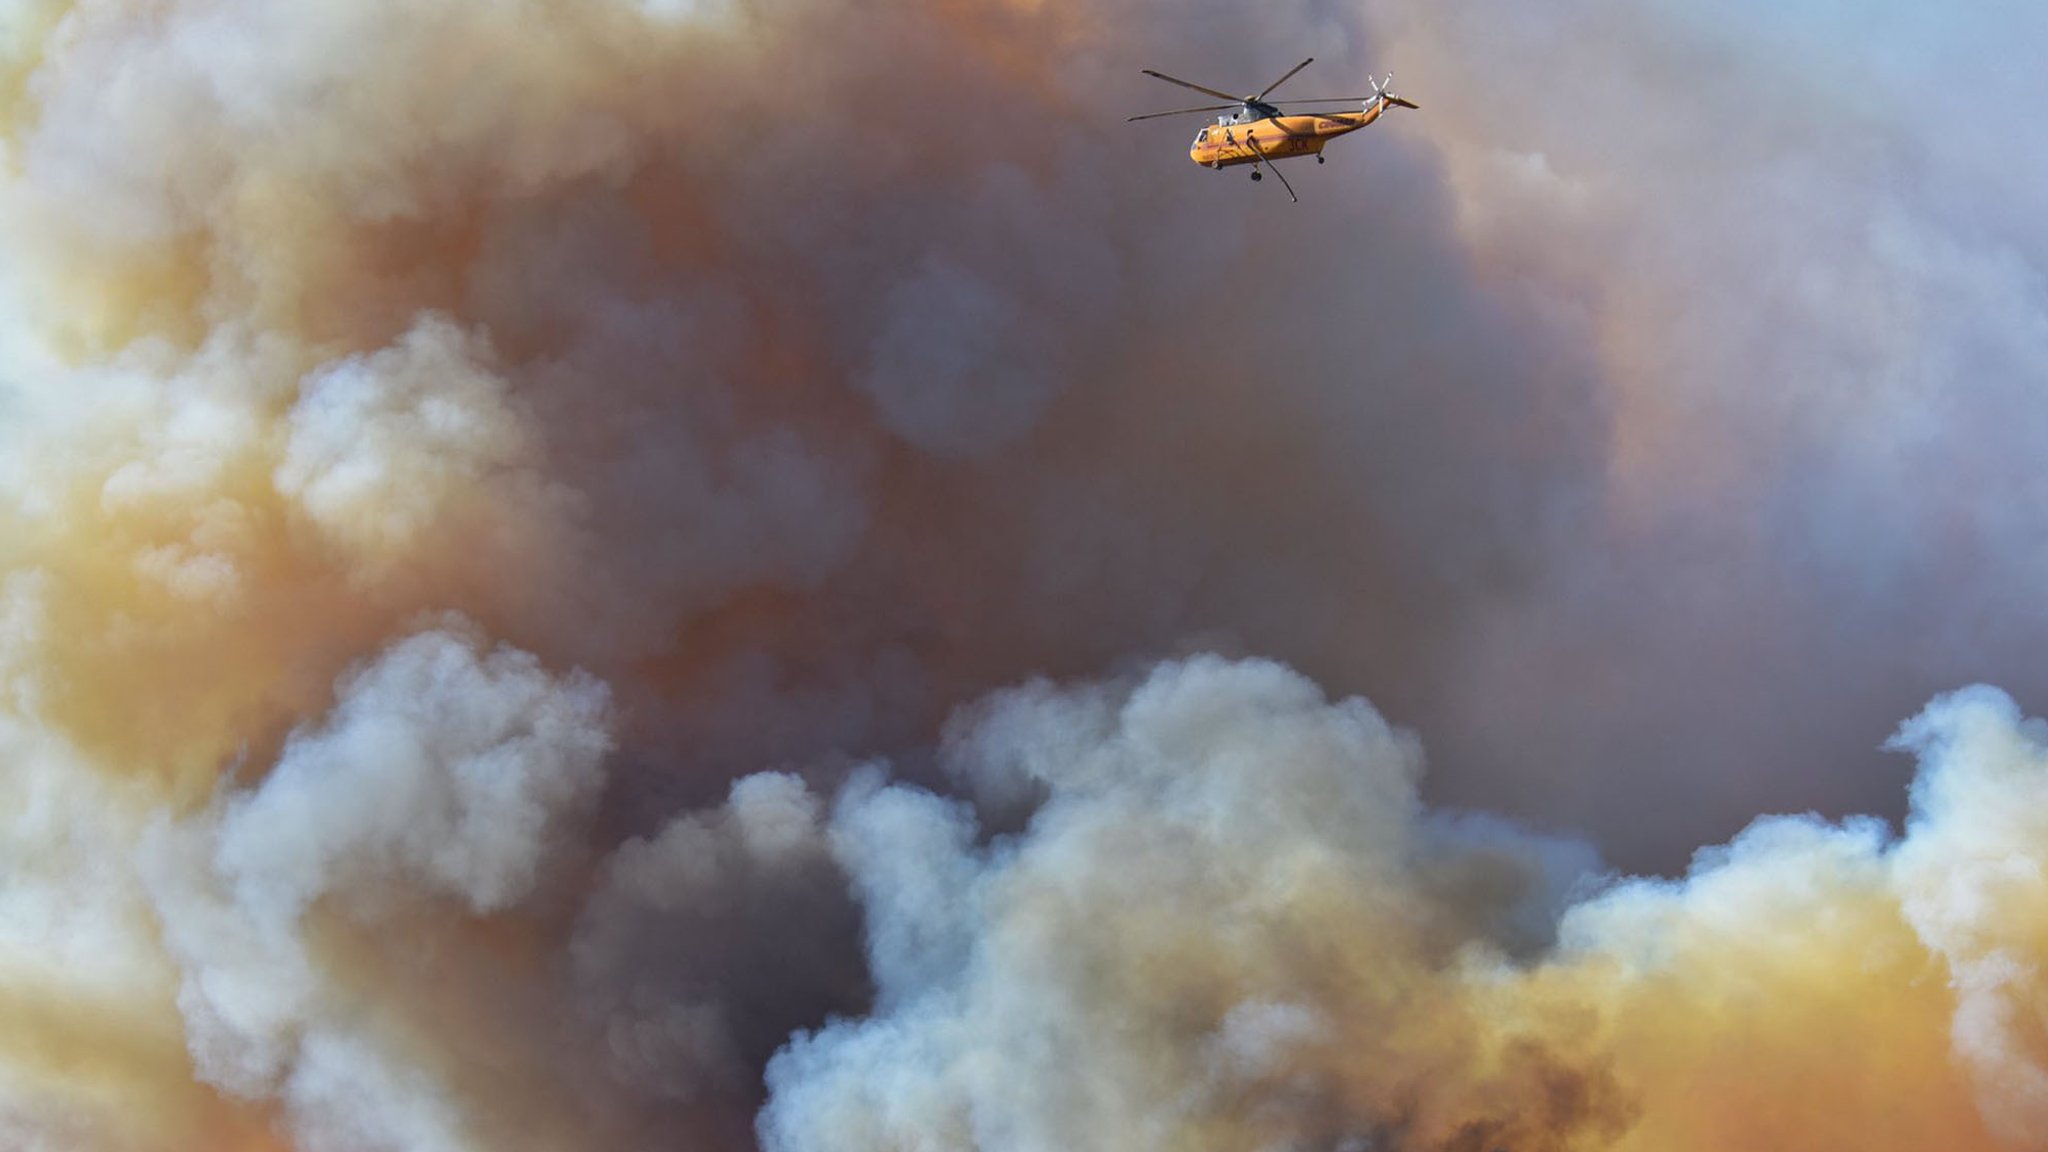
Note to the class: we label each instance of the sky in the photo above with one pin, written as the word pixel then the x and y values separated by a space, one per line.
pixel 772 574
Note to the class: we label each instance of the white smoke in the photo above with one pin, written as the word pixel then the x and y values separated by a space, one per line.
pixel 1221 929
pixel 377 446
pixel 1973 871
pixel 1594 417
pixel 445 771
pixel 1219 892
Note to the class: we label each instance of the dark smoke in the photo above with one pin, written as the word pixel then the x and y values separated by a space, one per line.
pixel 592 575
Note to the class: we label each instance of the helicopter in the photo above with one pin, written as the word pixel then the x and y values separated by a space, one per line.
pixel 1254 130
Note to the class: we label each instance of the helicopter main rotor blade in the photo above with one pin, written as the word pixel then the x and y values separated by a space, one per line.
pixel 1321 100
pixel 1179 112
pixel 1286 78
pixel 1197 87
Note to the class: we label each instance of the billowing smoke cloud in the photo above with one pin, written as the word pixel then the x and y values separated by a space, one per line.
pixel 442 774
pixel 1231 925
pixel 769 574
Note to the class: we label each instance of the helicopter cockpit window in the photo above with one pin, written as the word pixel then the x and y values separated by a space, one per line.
pixel 1201 136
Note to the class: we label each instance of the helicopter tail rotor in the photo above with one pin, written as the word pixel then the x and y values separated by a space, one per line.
pixel 1382 95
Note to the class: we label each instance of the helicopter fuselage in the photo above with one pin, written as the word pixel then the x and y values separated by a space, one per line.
pixel 1234 142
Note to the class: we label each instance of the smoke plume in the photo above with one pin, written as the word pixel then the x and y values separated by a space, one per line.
pixel 768 574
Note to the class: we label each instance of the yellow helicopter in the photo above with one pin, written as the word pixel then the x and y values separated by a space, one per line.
pixel 1254 130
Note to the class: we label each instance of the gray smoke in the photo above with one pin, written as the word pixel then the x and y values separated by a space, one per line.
pixel 587 576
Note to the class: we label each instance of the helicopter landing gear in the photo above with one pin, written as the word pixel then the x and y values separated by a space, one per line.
pixel 1257 175
pixel 1319 159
